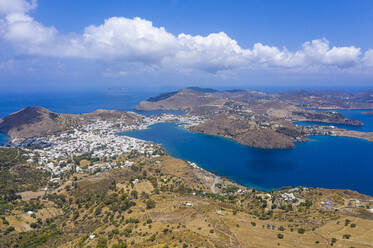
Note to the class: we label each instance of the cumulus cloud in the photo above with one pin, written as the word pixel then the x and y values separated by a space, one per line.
pixel 368 58
pixel 319 51
pixel 28 33
pixel 16 6
pixel 137 41
pixel 131 39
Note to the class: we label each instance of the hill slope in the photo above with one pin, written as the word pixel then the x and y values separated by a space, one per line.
pixel 32 121
pixel 166 202
pixel 302 98
pixel 37 121
pixel 185 99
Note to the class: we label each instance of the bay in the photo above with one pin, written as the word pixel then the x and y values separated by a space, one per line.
pixel 324 161
pixel 353 114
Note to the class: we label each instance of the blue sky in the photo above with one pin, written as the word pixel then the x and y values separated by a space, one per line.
pixel 279 23
pixel 79 44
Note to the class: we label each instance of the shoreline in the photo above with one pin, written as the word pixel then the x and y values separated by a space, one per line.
pixel 246 185
pixel 249 184
pixel 186 121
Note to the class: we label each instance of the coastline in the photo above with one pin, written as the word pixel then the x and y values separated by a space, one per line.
pixel 216 169
pixel 113 127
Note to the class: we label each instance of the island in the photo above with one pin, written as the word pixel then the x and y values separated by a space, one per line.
pixel 251 118
pixel 261 119
pixel 70 181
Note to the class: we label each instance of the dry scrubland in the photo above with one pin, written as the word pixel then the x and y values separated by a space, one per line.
pixel 166 202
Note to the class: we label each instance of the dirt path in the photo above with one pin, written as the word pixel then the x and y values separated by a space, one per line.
pixel 216 179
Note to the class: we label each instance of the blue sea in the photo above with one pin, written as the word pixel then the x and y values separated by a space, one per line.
pixel 331 162
pixel 74 102
pixel 356 114
pixel 324 161
pixel 3 139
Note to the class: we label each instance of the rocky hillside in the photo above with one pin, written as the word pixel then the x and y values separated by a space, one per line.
pixel 329 99
pixel 239 130
pixel 33 121
pixel 38 121
pixel 185 99
pixel 191 97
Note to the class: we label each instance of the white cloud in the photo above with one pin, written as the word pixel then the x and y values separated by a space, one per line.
pixel 214 52
pixel 16 6
pixel 368 58
pixel 319 51
pixel 27 32
pixel 136 41
pixel 21 30
pixel 129 39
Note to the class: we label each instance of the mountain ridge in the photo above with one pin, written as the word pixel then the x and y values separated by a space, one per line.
pixel 318 99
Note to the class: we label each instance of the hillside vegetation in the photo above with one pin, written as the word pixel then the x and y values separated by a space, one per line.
pixel 167 202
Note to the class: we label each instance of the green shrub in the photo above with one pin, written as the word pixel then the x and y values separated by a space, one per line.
pixel 152 238
pixel 9 229
pixel 347 221
pixel 301 230
pixel 34 225
pixel 150 204
pixel 346 236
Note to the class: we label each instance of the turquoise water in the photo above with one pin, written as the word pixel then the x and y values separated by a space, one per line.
pixel 324 161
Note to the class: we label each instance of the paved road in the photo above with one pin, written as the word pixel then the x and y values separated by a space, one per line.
pixel 216 179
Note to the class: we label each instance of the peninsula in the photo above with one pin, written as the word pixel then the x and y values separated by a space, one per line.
pixel 252 118
pixel 261 119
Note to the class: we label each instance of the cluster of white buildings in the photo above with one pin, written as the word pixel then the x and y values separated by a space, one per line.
pixel 189 119
pixel 100 139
